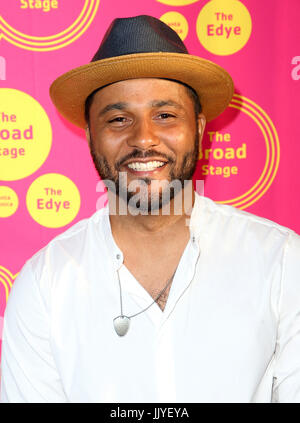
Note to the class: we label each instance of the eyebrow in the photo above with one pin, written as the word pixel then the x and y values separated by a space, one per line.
pixel 113 106
pixel 123 105
pixel 162 103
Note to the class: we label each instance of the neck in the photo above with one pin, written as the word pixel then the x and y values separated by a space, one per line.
pixel 176 212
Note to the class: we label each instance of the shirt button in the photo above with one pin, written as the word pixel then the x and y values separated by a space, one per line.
pixel 118 256
pixel 193 239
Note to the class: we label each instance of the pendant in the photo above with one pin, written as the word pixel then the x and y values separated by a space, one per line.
pixel 121 324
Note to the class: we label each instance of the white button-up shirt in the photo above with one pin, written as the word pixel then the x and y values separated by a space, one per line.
pixel 230 331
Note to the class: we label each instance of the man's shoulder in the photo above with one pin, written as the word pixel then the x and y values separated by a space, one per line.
pixel 224 214
pixel 74 239
pixel 81 227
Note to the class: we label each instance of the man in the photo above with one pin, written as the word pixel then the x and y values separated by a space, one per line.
pixel 164 296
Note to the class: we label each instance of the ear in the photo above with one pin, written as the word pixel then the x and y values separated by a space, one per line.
pixel 88 134
pixel 201 127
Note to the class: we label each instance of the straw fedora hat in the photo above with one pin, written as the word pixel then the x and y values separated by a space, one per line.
pixel 141 47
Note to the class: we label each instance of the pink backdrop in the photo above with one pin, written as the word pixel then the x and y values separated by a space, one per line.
pixel 258 136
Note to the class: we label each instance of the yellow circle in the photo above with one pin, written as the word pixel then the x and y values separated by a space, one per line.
pixel 177 2
pixel 55 41
pixel 9 201
pixel 263 121
pixel 224 27
pixel 273 139
pixel 177 22
pixel 25 135
pixel 53 200
pixel 7 280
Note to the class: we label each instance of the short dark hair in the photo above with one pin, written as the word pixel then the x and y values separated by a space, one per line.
pixel 190 91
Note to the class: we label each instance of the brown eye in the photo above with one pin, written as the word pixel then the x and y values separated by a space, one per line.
pixel 117 119
pixel 165 115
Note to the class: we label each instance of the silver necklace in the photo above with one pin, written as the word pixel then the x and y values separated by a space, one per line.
pixel 122 322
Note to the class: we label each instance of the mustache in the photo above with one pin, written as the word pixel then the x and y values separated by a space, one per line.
pixel 138 154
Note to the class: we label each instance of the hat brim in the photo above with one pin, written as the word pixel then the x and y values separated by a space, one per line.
pixel 212 83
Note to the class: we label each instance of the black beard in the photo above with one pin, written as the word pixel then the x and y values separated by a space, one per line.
pixel 184 173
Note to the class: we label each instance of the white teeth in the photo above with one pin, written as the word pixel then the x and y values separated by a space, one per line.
pixel 139 166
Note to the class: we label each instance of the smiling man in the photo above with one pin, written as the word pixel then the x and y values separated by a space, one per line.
pixel 163 295
pixel 149 130
pixel 152 133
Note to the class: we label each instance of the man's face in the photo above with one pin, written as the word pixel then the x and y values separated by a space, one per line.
pixel 148 129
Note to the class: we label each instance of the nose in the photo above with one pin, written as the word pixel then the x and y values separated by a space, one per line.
pixel 143 135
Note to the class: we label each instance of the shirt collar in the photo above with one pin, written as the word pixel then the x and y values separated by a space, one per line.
pixel 195 222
